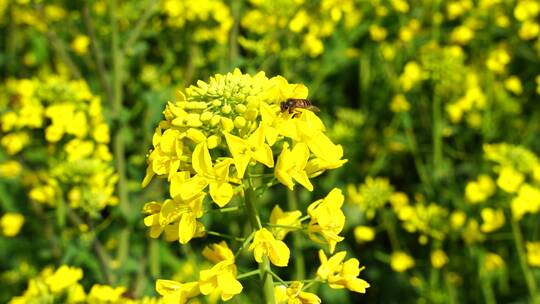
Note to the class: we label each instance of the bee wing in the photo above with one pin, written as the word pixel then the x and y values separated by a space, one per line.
pixel 314 109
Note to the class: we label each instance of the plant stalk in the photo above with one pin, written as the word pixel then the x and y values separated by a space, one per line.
pixel 529 277
pixel 264 267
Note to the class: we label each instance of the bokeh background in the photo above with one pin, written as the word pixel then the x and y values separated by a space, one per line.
pixel 436 104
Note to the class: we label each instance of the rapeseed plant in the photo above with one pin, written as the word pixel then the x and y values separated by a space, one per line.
pixel 219 138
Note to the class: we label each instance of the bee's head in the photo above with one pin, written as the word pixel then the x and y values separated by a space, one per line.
pixel 286 105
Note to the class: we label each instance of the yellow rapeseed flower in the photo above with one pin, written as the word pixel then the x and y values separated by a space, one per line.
pixel 533 253
pixel 291 166
pixel 364 234
pixel 80 44
pixel 281 218
pixel 63 277
pixel 493 262
pixel 105 294
pixel 264 244
pixel 493 219
pixel 221 278
pixel 327 219
pixel 510 179
pixel 438 258
pixel 401 261
pixel 294 294
pixel 11 223
pixel 527 200
pixel 176 293
pixel 339 274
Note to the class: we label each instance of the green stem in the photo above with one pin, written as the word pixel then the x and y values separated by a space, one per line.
pixel 389 227
pixel 277 278
pixel 264 267
pixel 103 256
pixel 150 9
pixel 118 144
pixel 223 210
pixel 244 244
pixel 96 50
pixel 225 236
pixel 236 7
pixel 61 49
pixel 437 132
pixel 248 274
pixel 487 290
pixel 451 290
pixel 413 146
pixel 299 261
pixel 154 257
pixel 529 278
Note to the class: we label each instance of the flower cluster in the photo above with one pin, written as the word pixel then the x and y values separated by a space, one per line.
pixel 211 19
pixel 64 121
pixel 213 147
pixel 62 285
pixel 308 25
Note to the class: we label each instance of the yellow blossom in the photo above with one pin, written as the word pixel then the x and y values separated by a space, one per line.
pixel 364 234
pixel 63 277
pixel 216 176
pixel 80 44
pixel 527 200
pixel 509 179
pixel 401 261
pixel 291 166
pixel 480 190
pixel 493 219
pixel 10 169
pixel 339 274
pixel 280 218
pixel 327 219
pixel 377 33
pixel 493 262
pixel 399 104
pixel 438 258
pixel 220 278
pixel 526 9
pixel 294 294
pixel 457 219
pixel 533 253
pixel 177 217
pixel 176 293
pixel 412 74
pixel 243 151
pixel 264 244
pixel 472 234
pixel 497 60
pixel 105 294
pixel 513 84
pixel 216 253
pixel 398 200
pixel 11 223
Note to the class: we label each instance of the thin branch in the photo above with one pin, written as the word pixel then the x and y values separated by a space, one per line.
pixel 150 8
pixel 60 48
pixel 98 55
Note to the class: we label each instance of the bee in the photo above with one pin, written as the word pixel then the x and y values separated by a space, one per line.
pixel 291 104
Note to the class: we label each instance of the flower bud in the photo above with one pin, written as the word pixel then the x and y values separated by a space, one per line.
pixel 213 141
pixel 239 122
pixel 195 135
pixel 206 116
pixel 240 108
pixel 215 120
pixel 227 124
pixel 226 109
